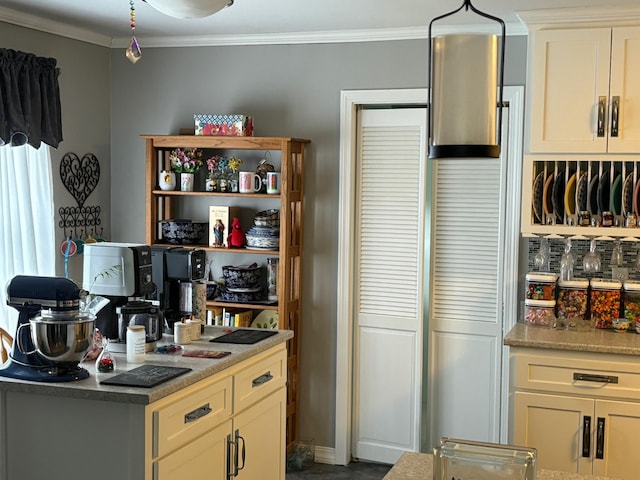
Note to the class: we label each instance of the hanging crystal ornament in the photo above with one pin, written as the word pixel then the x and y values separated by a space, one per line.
pixel 133 51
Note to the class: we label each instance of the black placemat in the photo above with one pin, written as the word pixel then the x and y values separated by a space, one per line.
pixel 245 337
pixel 145 376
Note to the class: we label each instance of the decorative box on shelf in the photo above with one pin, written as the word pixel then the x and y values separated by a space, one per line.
pixel 220 218
pixel 224 125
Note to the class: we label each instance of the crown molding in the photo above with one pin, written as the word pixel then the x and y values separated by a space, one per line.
pixel 609 16
pixel 51 26
pixel 338 36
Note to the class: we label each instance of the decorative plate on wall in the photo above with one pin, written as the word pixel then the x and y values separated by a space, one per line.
pixel 536 196
pixel 558 197
pixel 582 187
pixel 593 195
pixel 627 194
pixel 615 198
pixel 570 196
pixel 604 192
pixel 547 204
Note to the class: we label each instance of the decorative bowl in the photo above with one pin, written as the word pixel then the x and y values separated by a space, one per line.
pixel 621 324
pixel 245 277
pixel 267 218
pixel 184 232
pixel 243 297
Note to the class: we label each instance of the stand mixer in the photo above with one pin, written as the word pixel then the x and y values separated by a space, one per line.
pixel 52 335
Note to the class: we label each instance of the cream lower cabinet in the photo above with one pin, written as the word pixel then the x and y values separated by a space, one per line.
pixel 229 426
pixel 577 410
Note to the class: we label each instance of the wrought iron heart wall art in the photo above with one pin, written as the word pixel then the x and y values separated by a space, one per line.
pixel 80 176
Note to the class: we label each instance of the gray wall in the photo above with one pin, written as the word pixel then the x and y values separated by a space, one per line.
pixel 84 92
pixel 292 90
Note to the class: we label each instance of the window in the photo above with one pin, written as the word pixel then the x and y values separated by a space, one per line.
pixel 27 234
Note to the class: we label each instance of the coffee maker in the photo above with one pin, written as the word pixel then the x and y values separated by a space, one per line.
pixel 122 272
pixel 52 335
pixel 174 270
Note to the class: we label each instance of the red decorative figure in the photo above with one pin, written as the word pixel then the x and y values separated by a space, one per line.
pixel 236 238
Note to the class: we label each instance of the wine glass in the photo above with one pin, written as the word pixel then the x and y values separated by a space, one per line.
pixel 541 258
pixel 591 263
pixel 567 262
pixel 616 254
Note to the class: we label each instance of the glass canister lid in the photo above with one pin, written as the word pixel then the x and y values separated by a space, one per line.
pixel 539 303
pixel 631 285
pixel 604 284
pixel 547 277
pixel 576 283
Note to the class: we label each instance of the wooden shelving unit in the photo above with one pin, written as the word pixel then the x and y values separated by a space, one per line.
pixel 160 205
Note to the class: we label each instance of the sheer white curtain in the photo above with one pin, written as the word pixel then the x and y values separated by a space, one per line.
pixel 27 221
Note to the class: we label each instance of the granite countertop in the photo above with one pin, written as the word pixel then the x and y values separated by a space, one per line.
pixel 92 389
pixel 419 466
pixel 594 340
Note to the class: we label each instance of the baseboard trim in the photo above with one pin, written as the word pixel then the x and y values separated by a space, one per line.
pixel 326 455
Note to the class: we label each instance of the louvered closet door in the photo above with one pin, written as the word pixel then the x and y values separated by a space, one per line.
pixel 466 318
pixel 389 272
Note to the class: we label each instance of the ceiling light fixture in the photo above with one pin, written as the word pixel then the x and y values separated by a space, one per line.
pixel 189 8
pixel 463 80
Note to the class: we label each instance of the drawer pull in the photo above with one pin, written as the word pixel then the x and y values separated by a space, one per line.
pixel 197 413
pixel 600 438
pixel 262 379
pixel 587 377
pixel 586 437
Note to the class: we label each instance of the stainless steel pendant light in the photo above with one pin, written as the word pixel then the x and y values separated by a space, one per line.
pixel 464 93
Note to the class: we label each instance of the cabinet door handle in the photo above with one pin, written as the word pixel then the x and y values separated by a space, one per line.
pixel 197 413
pixel 230 471
pixel 615 114
pixel 586 436
pixel 600 438
pixel 262 379
pixel 237 442
pixel 602 115
pixel 588 377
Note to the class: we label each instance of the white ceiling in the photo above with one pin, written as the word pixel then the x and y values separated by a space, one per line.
pixel 106 22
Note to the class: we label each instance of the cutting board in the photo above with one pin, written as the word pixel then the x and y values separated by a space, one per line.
pixel 145 376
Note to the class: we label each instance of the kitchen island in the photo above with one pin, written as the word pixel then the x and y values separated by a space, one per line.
pixel 419 466
pixel 575 397
pixel 222 415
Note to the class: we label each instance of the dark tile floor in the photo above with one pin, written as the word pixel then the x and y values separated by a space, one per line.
pixel 353 471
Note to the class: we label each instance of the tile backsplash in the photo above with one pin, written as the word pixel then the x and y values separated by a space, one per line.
pixel 579 248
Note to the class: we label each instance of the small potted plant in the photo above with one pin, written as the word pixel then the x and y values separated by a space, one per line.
pixel 186 161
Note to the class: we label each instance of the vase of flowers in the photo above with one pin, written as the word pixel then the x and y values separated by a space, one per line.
pixel 234 165
pixel 213 175
pixel 186 161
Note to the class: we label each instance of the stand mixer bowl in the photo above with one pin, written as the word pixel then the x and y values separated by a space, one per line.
pixel 63 341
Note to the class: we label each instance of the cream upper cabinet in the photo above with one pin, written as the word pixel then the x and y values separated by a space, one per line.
pixel 585 85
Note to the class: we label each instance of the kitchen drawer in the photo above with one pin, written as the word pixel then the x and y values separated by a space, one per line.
pixel 597 375
pixel 259 379
pixel 194 412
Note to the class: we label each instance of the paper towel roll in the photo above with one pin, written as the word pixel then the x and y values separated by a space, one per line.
pixel 199 301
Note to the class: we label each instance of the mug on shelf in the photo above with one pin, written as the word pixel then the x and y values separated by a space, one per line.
pixel 273 183
pixel 249 182
pixel 167 180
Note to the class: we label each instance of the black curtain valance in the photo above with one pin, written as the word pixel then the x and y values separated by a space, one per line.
pixel 29 100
